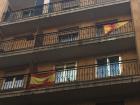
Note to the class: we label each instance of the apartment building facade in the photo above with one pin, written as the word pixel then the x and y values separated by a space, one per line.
pixel 69 52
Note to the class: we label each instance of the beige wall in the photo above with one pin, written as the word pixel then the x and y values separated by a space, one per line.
pixel 86 23
pixel 53 38
pixel 135 8
pixel 83 33
pixel 132 101
pixel 126 55
pixel 3 8
pixel 85 73
pixel 16 70
pixel 20 43
pixel 126 69
pixel 84 103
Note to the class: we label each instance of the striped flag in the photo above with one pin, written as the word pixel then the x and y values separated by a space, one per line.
pixel 42 80
pixel 110 27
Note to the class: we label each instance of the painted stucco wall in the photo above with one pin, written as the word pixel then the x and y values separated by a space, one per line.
pixel 3 8
pixel 135 7
pixel 132 101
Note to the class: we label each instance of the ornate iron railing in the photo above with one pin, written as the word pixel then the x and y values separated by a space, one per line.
pixel 54 7
pixel 67 37
pixel 80 74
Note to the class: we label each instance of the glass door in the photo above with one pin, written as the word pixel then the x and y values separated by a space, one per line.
pixel 109 66
pixel 66 73
pixel 114 66
pixel 102 68
pixel 99 30
pixel 39 7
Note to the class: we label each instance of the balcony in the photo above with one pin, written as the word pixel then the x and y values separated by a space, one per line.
pixel 47 13
pixel 77 42
pixel 118 78
pixel 56 7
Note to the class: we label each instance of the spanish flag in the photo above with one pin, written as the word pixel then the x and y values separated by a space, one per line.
pixel 110 27
pixel 42 80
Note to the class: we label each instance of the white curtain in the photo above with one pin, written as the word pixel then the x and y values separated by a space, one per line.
pixel 46 7
pixel 46 1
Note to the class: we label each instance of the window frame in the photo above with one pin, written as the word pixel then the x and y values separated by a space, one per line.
pixel 63 72
pixel 108 66
pixel 13 81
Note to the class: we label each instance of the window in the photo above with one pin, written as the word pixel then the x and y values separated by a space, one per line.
pixel 13 83
pixel 109 66
pixel 48 6
pixel 68 34
pixel 38 9
pixel 66 73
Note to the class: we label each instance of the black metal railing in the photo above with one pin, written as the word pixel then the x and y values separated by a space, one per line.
pixel 68 37
pixel 55 7
pixel 80 74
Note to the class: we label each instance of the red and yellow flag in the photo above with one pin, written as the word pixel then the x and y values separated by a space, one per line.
pixel 110 27
pixel 42 80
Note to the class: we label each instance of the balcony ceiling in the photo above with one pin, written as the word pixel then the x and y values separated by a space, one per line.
pixel 20 4
pixel 75 50
pixel 31 24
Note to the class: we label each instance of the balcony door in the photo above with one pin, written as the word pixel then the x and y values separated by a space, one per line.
pixel 70 4
pixel 8 15
pixel 66 73
pixel 68 34
pixel 109 66
pixel 13 83
pixel 39 40
pixel 39 7
pixel 48 7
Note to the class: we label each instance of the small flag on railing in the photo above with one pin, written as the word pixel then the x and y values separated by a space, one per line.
pixel 42 80
pixel 110 27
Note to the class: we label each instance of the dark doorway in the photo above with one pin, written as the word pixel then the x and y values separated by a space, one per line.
pixel 39 40
pixel 39 7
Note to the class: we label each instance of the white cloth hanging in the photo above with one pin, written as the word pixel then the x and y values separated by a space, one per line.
pixel 46 1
